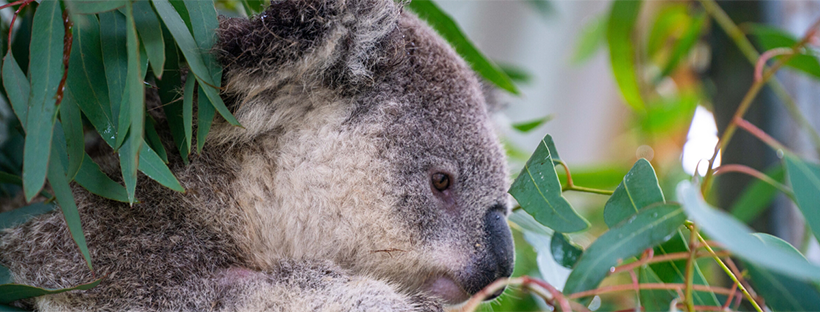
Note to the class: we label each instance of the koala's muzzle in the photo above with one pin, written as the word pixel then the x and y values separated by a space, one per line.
pixel 495 257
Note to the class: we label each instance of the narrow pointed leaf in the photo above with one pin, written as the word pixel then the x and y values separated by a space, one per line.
pixel 192 55
pixel 757 196
pixel 622 19
pixel 152 166
pixel 87 76
pixel 62 191
pixel 46 71
pixel 253 6
pixel 205 117
pixel 72 122
pixel 564 251
pixel 528 126
pixel 17 87
pixel 150 33
pixel 188 112
pixel 737 238
pixel 804 178
pixel 653 299
pixel 450 31
pixel 128 166
pixel 651 226
pixel 638 189
pixel 113 38
pixel 685 44
pixel 675 271
pixel 153 140
pixel 526 222
pixel 782 293
pixel 169 94
pixel 95 181
pixel 590 40
pixel 21 215
pixel 538 191
pixel 13 292
pixel 552 272
pixel 94 6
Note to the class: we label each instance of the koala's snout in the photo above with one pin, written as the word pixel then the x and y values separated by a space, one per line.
pixel 496 257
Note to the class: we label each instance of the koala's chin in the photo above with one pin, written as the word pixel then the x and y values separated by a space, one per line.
pixel 366 177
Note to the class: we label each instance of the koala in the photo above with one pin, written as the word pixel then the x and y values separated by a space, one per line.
pixel 366 177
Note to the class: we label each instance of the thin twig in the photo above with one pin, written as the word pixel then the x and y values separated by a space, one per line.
pixel 690 269
pixel 758 133
pixel 668 286
pixel 572 187
pixel 729 272
pixel 662 258
pixel 730 297
pixel 757 174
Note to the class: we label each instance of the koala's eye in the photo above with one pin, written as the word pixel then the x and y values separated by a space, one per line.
pixel 441 181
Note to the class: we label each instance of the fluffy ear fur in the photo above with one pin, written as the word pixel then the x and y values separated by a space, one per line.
pixel 330 42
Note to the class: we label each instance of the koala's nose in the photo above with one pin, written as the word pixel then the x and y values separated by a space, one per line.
pixel 497 254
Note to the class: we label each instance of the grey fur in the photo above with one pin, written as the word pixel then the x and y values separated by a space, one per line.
pixel 323 202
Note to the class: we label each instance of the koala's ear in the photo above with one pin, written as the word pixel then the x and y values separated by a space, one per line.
pixel 307 40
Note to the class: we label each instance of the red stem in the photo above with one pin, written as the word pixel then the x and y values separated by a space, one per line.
pixel 68 39
pixel 758 133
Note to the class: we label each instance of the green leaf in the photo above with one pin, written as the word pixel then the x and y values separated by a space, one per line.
pixel 62 191
pixel 253 6
pixel 551 271
pixel 553 151
pixel 94 6
pixel 564 251
pixel 528 224
pixel 771 38
pixel 737 238
pixel 193 55
pixel 670 21
pixel 638 189
pixel 21 215
pixel 622 19
pixel 169 94
pixel 153 167
pixel 685 43
pixel 651 226
pixel 9 178
pixel 804 178
pixel 17 87
pixel 188 112
pixel 95 181
pixel 590 40
pixel 516 74
pixel 87 75
pixel 72 122
pixel 13 292
pixel 136 106
pixel 46 71
pixel 449 30
pixel 113 36
pixel 153 140
pixel 653 299
pixel 205 116
pixel 528 126
pixel 757 196
pixel 674 271
pixel 782 293
pixel 150 33
pixel 538 191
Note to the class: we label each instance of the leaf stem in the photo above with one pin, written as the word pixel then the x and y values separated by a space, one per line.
pixel 662 258
pixel 728 272
pixel 628 287
pixel 572 187
pixel 690 266
pixel 757 174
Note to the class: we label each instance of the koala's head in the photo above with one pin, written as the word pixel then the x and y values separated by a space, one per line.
pixel 367 141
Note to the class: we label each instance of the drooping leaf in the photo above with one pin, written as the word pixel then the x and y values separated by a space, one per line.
pixel 757 196
pixel 782 293
pixel 14 292
pixel 804 177
pixel 62 191
pixel 113 36
pixel 21 215
pixel 87 76
pixel 449 30
pixel 675 271
pixel 528 126
pixel 653 299
pixel 46 73
pixel 6 177
pixel 737 238
pixel 670 22
pixel 193 55
pixel 538 191
pixel 94 6
pixel 152 138
pixel 622 19
pixel 152 166
pixel 17 87
pixel 188 112
pixel 526 222
pixel 771 38
pixel 169 94
pixel 72 122
pixel 551 271
pixel 516 74
pixel 150 33
pixel 638 189
pixel 564 251
pixel 651 226
pixel 590 40
pixel 685 43
pixel 95 181
pixel 204 119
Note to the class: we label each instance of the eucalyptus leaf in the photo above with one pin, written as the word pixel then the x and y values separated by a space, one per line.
pixel 564 251
pixel 14 292
pixel 72 122
pixel 204 119
pixel 528 126
pixel 737 238
pixel 538 191
pixel 188 112
pixel 804 178
pixel 169 94
pixel 46 73
pixel 526 222
pixel 757 196
pixel 152 166
pixel 113 37
pixel 95 181
pixel 10 219
pixel 150 33
pixel 653 299
pixel 622 19
pixel 94 6
pixel 651 226
pixel 685 43
pixel 551 271
pixel 771 38
pixel 781 292
pixel 17 87
pixel 152 138
pixel 638 189
pixel 590 39
pixel 448 29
